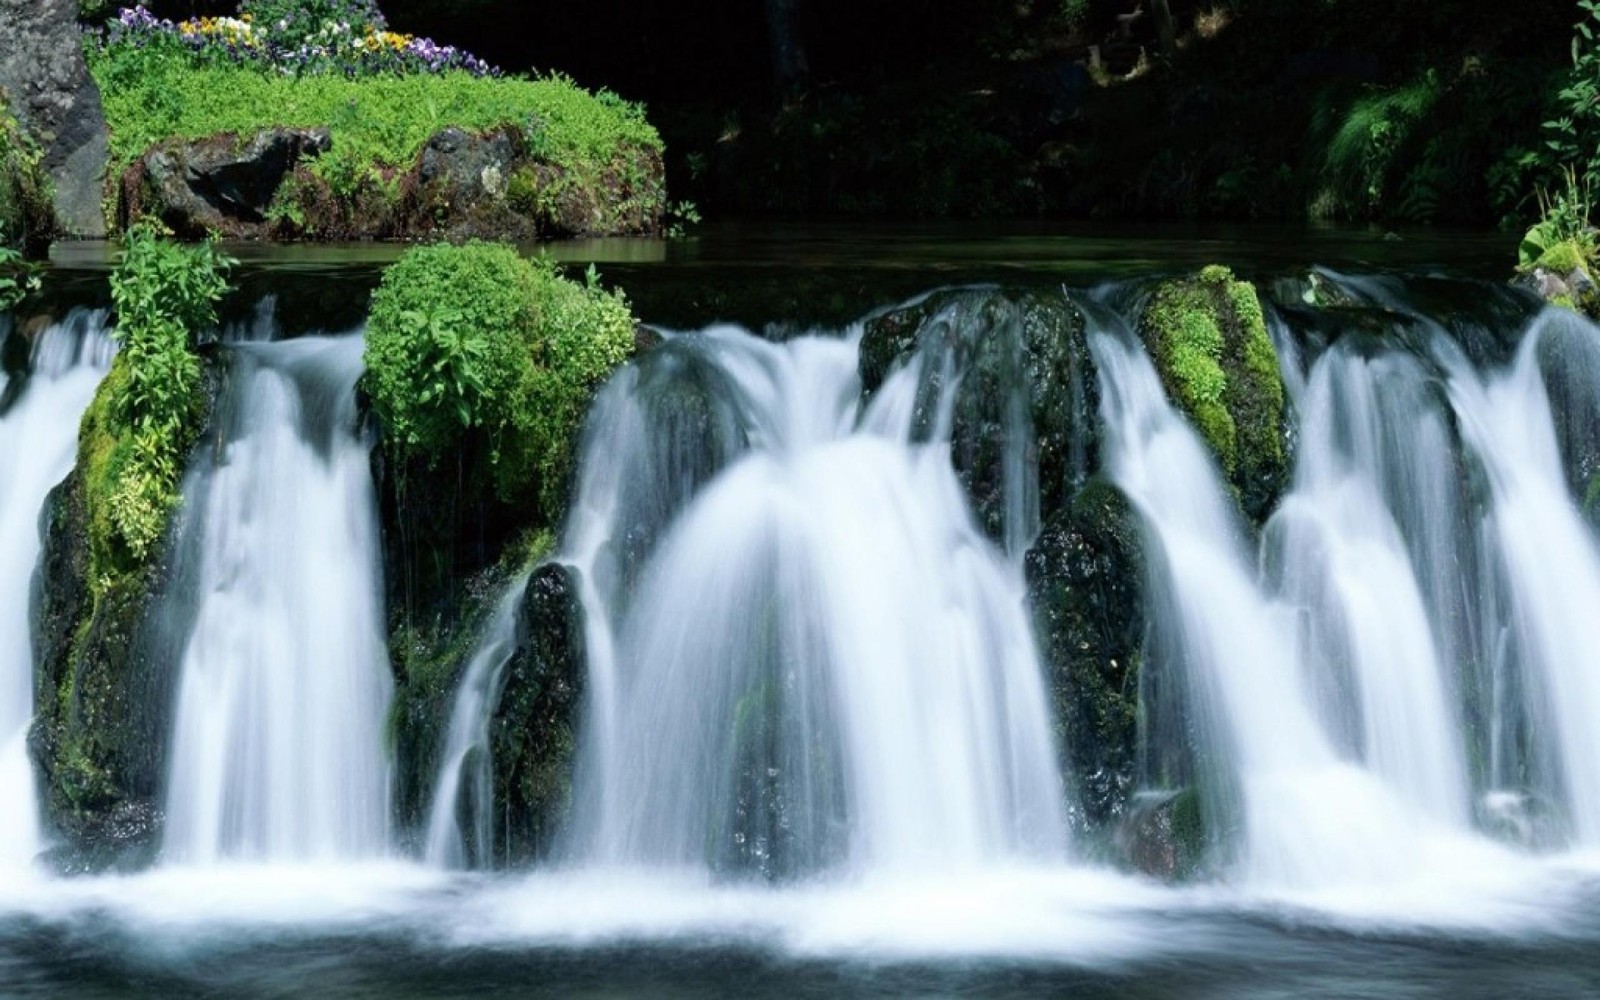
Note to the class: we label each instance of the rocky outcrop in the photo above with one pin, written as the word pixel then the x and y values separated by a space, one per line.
pixel 1025 382
pixel 225 184
pixel 533 731
pixel 106 665
pixel 49 90
pixel 1085 587
pixel 1208 339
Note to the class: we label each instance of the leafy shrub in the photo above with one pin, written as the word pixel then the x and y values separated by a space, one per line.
pixel 475 346
pixel 144 417
pixel 289 24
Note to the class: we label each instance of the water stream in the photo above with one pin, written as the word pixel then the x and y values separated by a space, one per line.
pixel 38 446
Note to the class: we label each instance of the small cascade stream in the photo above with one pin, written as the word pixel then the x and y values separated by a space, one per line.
pixel 278 746
pixel 38 446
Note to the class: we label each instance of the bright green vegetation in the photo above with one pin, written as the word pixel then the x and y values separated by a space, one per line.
pixel 378 124
pixel 1209 340
pixel 475 348
pixel 25 213
pixel 146 414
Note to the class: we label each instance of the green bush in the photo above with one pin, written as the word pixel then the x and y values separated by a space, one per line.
pixel 291 23
pixel 144 418
pixel 474 346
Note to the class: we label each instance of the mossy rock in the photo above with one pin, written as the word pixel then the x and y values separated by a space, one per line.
pixel 106 671
pixel 1085 587
pixel 1208 338
pixel 533 733
pixel 480 368
pixel 1020 355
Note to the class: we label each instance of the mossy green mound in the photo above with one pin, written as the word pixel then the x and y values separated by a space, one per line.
pixel 475 349
pixel 1208 338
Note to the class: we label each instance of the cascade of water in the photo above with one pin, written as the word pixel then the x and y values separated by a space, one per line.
pixel 38 445
pixel 1338 555
pixel 1306 816
pixel 277 747
pixel 819 660
pixel 1544 577
pixel 465 764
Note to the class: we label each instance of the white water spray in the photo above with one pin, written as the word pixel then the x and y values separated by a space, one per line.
pixel 38 446
pixel 278 748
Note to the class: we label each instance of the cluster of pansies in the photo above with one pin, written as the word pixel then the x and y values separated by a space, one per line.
pixel 335 47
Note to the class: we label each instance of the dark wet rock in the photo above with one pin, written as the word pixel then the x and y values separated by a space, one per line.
pixel 1163 834
pixel 224 184
pixel 107 664
pixel 1027 391
pixel 533 731
pixel 48 88
pixel 125 838
pixel 1085 586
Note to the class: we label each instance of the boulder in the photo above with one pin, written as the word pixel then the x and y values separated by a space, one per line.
pixel 48 88
pixel 533 731
pixel 1026 390
pixel 1085 587
pixel 224 184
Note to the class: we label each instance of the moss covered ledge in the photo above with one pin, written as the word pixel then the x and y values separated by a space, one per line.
pixel 102 689
pixel 1208 338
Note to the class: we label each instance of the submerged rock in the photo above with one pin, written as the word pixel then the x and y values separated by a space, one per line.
pixel 533 731
pixel 48 87
pixel 224 184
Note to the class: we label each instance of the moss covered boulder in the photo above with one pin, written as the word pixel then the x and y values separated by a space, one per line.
pixel 1022 423
pixel 103 685
pixel 1208 338
pixel 480 367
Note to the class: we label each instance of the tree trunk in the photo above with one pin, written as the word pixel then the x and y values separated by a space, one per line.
pixel 1164 27
pixel 788 53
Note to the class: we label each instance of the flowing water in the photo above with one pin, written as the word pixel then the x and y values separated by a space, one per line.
pixel 278 741
pixel 771 696
pixel 817 755
pixel 38 445
pixel 466 766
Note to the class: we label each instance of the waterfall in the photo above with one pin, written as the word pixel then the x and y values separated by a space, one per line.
pixel 804 654
pixel 278 741
pixel 38 445
pixel 1545 565
pixel 1307 815
pixel 465 763
pixel 1368 436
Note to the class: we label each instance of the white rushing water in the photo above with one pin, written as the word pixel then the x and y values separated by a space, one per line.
pixel 817 661
pixel 38 446
pixel 278 749
pixel 1366 641
pixel 1546 561
pixel 465 764
pixel 1308 816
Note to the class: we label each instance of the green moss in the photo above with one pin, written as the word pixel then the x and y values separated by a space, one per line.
pixel 474 349
pixel 1565 257
pixel 1208 337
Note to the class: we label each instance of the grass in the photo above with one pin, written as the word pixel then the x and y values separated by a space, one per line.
pixel 153 93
